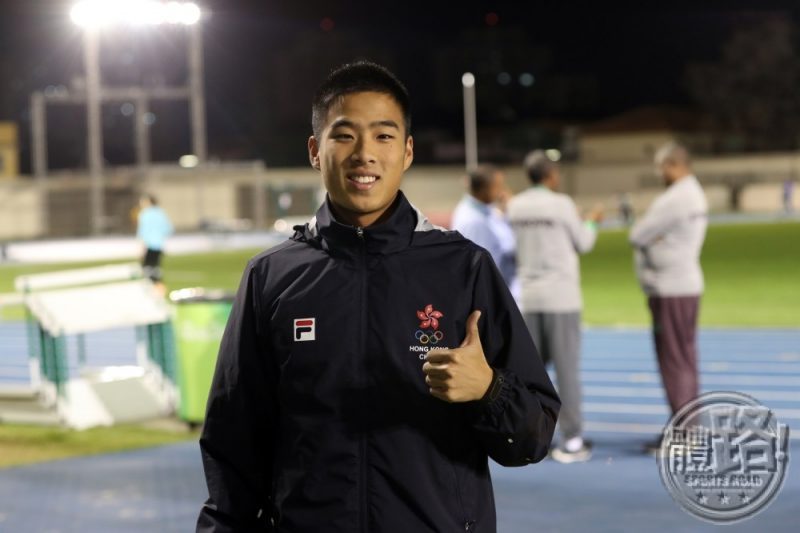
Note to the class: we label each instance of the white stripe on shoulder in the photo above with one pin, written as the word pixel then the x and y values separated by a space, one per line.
pixel 423 224
pixel 312 226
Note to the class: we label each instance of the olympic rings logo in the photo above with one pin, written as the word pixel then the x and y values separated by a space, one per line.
pixel 425 338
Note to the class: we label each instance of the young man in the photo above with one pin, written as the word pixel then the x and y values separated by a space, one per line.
pixel 667 242
pixel 153 228
pixel 372 363
pixel 478 218
pixel 550 235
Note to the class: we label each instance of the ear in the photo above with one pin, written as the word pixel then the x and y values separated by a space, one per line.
pixel 313 152
pixel 409 155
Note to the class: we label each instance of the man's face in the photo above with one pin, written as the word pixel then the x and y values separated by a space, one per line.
pixel 554 178
pixel 496 188
pixel 666 172
pixel 362 154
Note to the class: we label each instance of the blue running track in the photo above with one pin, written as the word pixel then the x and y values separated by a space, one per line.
pixel 161 489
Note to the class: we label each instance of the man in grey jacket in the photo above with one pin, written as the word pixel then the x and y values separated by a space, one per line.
pixel 667 243
pixel 550 234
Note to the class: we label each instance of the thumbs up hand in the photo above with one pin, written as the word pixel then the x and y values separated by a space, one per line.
pixel 459 374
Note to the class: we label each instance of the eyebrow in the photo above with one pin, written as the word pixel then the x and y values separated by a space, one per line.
pixel 345 123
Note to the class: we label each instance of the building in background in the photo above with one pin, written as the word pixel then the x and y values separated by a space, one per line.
pixel 634 136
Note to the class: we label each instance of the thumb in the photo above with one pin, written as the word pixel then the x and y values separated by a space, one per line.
pixel 472 335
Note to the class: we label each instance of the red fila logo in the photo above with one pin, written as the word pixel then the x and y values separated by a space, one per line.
pixel 304 329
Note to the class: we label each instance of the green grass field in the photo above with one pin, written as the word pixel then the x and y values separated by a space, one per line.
pixel 752 280
pixel 21 445
pixel 752 277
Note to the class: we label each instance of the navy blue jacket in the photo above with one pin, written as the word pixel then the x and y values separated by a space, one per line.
pixel 319 418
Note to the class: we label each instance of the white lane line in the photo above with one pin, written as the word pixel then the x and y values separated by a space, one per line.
pixel 644 409
pixel 625 408
pixel 651 392
pixel 718 356
pixel 714 367
pixel 639 429
pixel 623 427
pixel 707 379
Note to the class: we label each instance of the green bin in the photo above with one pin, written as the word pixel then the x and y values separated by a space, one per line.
pixel 199 322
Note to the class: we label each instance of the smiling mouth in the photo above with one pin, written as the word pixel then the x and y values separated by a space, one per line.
pixel 363 182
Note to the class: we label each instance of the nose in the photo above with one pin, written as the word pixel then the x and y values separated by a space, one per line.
pixel 363 153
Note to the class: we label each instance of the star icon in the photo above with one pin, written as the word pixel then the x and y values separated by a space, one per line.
pixel 723 498
pixel 745 498
pixel 702 498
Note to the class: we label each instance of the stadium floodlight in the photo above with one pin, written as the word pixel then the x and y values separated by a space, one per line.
pixel 95 15
pixel 103 13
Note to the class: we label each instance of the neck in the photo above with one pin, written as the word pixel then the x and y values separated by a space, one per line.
pixel 680 177
pixel 362 220
pixel 481 199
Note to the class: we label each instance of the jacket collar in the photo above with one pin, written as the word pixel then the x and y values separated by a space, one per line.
pixel 477 205
pixel 392 235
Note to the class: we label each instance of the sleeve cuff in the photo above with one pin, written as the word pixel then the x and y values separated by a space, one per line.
pixel 494 390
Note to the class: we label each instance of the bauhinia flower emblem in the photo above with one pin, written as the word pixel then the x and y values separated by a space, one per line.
pixel 428 332
pixel 429 317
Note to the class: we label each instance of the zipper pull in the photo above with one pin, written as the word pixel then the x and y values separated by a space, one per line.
pixel 360 232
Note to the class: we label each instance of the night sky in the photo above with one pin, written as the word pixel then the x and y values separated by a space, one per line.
pixel 264 58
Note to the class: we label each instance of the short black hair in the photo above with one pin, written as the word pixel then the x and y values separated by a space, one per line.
pixel 151 198
pixel 481 177
pixel 357 77
pixel 538 166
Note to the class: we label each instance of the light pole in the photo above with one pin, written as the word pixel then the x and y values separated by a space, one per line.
pixel 93 16
pixel 196 94
pixel 470 121
pixel 198 112
pixel 91 63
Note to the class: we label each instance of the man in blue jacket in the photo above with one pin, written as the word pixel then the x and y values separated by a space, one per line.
pixel 478 218
pixel 372 363
pixel 153 228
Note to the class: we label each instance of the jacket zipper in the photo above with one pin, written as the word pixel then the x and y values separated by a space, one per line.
pixel 364 515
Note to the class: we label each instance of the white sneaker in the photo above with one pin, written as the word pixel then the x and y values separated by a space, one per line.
pixel 582 454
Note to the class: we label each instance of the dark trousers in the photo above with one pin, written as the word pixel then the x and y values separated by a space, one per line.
pixel 675 338
pixel 151 263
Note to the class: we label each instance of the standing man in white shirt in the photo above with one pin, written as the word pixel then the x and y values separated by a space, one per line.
pixel 550 234
pixel 667 243
pixel 479 218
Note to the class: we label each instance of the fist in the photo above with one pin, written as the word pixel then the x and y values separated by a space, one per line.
pixel 459 374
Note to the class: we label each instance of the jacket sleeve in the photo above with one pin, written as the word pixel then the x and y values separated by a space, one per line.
pixel 236 444
pixel 583 234
pixel 516 418
pixel 658 219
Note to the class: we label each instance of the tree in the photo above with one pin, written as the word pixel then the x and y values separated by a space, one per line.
pixel 752 90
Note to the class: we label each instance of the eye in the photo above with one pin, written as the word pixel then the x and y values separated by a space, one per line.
pixel 341 136
pixel 385 136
